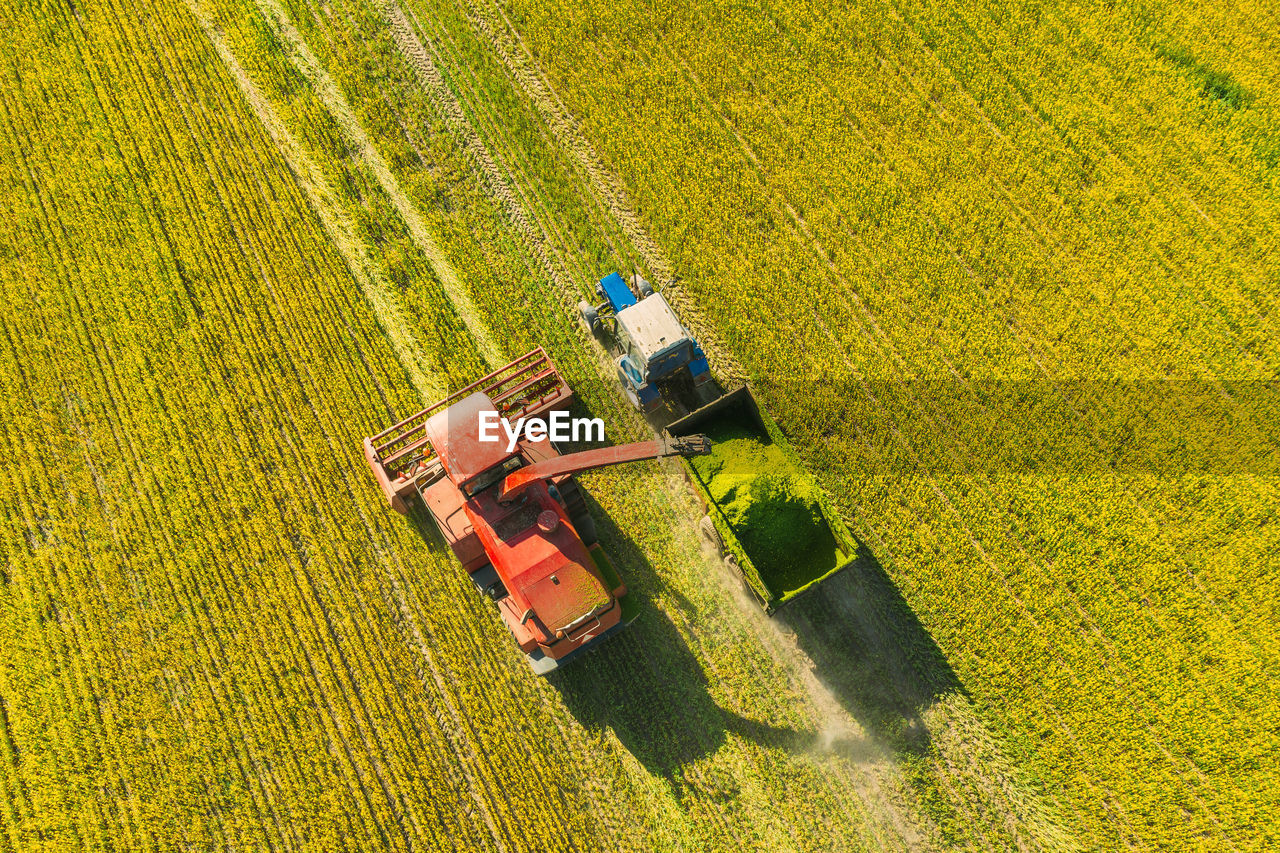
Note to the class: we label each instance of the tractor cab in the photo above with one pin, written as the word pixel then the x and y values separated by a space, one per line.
pixel 653 350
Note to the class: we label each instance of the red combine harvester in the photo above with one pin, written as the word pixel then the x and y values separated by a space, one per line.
pixel 516 519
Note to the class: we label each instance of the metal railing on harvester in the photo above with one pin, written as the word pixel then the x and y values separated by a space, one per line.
pixel 530 386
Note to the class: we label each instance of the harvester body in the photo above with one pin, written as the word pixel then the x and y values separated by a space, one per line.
pixel 515 518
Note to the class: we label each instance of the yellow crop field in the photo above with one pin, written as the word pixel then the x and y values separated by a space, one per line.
pixel 1005 280
pixel 975 219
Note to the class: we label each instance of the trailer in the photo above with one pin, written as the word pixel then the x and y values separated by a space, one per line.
pixel 816 553
pixel 664 373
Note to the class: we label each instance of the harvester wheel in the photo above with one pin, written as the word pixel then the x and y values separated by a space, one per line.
pixel 590 318
pixel 632 397
pixel 586 527
pixel 707 528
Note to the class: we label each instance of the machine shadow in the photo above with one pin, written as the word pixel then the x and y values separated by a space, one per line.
pixel 870 650
pixel 648 687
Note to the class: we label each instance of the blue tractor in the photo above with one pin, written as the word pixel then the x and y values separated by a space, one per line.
pixel 657 359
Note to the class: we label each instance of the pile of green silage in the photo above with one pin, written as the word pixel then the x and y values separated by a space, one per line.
pixel 773 511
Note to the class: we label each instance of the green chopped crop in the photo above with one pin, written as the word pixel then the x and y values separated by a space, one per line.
pixel 772 509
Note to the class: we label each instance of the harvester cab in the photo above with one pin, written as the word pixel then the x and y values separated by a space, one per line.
pixel 657 359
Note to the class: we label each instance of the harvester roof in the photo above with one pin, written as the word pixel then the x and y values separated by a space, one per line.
pixel 544 566
pixel 652 326
pixel 455 436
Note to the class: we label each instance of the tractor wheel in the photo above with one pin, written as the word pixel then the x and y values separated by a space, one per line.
pixel 632 397
pixel 590 318
pixel 642 288
pixel 707 528
pixel 586 527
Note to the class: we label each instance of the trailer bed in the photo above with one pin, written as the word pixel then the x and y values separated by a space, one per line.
pixel 777 564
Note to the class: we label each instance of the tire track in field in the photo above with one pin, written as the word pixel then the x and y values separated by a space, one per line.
pixel 350 691
pixel 602 185
pixel 337 224
pixel 493 175
pixel 606 187
pixel 331 97
pixel 352 672
pixel 498 180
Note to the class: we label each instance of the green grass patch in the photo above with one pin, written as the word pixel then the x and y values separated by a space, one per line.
pixel 1214 84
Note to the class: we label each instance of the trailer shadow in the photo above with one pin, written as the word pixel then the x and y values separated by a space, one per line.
pixel 870 650
pixel 647 686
